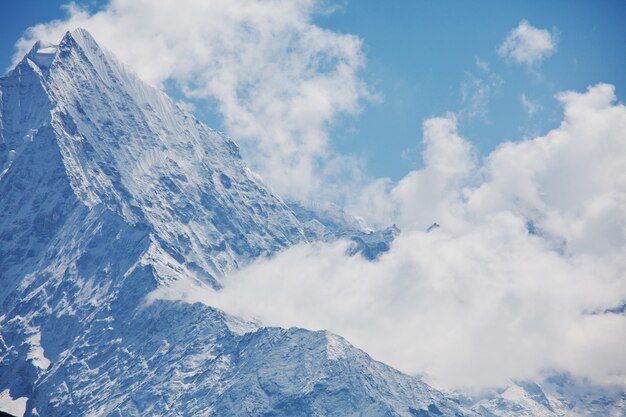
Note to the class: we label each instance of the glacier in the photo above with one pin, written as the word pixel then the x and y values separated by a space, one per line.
pixel 110 191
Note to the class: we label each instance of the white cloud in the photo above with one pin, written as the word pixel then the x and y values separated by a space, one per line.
pixel 426 195
pixel 279 80
pixel 571 182
pixel 528 45
pixel 480 300
pixel 471 310
pixel 477 91
pixel 481 64
pixel 430 194
pixel 531 107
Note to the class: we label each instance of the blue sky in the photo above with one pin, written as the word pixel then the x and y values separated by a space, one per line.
pixel 420 54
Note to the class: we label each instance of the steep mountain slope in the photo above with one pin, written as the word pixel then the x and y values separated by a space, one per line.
pixel 126 146
pixel 109 191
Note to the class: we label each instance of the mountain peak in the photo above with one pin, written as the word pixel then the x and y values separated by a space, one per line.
pixel 81 36
pixel 43 53
pixel 109 192
pixel 125 146
pixel 82 39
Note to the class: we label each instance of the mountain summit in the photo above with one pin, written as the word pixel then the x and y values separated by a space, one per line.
pixel 122 146
pixel 109 191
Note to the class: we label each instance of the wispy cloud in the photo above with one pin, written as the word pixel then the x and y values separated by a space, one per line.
pixel 531 107
pixel 477 91
pixel 528 45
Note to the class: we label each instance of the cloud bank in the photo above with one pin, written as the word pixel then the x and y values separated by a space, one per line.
pixel 519 278
pixel 277 79
pixel 528 45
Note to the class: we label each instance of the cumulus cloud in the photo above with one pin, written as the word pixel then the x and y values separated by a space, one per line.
pixel 519 278
pixel 278 79
pixel 528 45
pixel 571 182
pixel 425 195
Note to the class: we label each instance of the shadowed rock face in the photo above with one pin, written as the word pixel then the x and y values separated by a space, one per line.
pixel 109 191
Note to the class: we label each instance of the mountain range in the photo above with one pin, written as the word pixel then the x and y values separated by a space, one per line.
pixel 110 192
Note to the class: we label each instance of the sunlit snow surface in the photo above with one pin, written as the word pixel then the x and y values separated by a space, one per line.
pixel 110 193
pixel 13 406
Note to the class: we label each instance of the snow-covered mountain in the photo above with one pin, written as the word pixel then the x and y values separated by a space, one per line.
pixel 555 395
pixel 109 191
